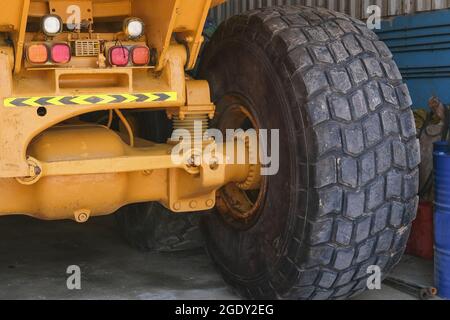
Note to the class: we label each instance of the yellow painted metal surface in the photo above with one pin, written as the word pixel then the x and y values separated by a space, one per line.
pixel 11 15
pixel 88 168
pixel 177 20
pixel 22 124
pixel 52 170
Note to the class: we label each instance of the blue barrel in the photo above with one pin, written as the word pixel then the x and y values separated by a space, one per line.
pixel 442 218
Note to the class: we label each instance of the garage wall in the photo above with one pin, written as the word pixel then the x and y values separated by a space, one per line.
pixel 416 31
pixel 356 8
pixel 421 47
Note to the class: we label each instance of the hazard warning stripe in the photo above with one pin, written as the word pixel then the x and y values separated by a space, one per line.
pixel 83 100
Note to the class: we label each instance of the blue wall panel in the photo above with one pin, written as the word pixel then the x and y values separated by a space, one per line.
pixel 421 47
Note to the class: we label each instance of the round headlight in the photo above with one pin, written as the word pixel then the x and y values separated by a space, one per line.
pixel 52 25
pixel 134 28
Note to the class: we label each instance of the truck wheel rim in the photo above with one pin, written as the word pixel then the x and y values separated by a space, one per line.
pixel 237 206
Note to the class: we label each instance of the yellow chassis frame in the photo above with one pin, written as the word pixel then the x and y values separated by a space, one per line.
pixel 36 99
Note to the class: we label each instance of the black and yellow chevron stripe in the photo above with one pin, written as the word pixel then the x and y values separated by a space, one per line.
pixel 83 100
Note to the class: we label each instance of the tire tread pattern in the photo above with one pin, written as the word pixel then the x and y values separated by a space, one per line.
pixel 365 174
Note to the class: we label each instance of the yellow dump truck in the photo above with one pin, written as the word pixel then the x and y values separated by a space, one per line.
pixel 99 115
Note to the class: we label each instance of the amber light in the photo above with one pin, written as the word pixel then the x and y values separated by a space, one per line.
pixel 140 55
pixel 119 56
pixel 37 53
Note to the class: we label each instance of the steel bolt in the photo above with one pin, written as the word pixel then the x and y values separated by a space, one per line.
pixel 214 164
pixel 37 171
pixel 177 205
pixel 193 204
pixel 82 216
pixel 147 172
pixel 194 161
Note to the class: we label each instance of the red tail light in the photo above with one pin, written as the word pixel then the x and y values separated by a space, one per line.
pixel 37 53
pixel 140 55
pixel 119 56
pixel 61 53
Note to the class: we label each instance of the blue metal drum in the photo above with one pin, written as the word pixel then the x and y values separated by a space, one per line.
pixel 442 218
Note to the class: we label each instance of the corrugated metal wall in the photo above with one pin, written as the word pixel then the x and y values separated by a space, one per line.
pixel 356 8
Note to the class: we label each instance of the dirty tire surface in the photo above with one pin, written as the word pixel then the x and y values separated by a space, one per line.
pixel 345 195
pixel 151 227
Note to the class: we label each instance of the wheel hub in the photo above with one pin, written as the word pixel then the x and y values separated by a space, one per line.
pixel 240 202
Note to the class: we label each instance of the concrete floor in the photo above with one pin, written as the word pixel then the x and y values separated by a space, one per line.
pixel 34 256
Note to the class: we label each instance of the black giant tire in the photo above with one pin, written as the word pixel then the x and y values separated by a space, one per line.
pixel 151 227
pixel 345 195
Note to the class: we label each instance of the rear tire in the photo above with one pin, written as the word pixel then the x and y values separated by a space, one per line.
pixel 345 195
pixel 150 226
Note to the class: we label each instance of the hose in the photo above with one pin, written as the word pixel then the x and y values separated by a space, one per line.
pixel 110 118
pixel 127 126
